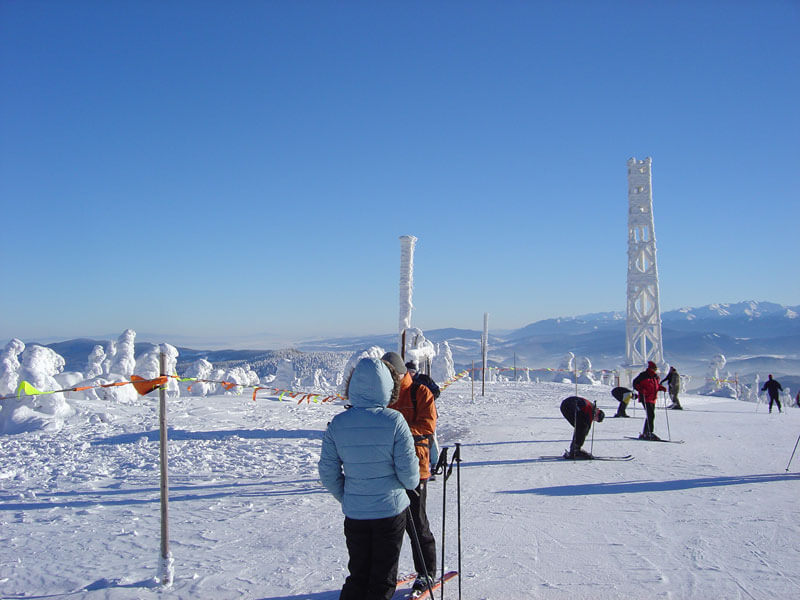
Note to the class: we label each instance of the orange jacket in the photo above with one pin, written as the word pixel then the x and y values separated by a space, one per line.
pixel 421 421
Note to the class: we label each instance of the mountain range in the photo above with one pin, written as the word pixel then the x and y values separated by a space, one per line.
pixel 755 337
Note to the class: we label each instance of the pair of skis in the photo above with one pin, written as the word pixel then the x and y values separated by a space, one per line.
pixel 558 458
pixel 630 437
pixel 409 594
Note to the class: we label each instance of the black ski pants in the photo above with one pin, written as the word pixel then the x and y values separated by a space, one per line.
pixel 776 401
pixel 374 546
pixel 578 419
pixel 419 520
pixel 650 419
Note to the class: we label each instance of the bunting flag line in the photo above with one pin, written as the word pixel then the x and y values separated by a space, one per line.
pixel 453 379
pixel 144 386
pixel 715 380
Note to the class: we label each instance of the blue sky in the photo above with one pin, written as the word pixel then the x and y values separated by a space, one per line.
pixel 225 169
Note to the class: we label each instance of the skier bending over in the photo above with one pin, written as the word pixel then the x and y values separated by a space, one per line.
pixel 580 413
pixel 773 389
pixel 646 383
pixel 624 396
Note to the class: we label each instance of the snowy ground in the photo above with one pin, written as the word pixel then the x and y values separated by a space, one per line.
pixel 716 517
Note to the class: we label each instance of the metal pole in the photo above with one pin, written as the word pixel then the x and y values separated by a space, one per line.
pixel 458 495
pixel 166 574
pixel 793 451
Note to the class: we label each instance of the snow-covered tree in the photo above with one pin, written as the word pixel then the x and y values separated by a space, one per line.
pixel 9 366
pixel 38 367
pixel 124 361
pixel 199 369
pixel 94 367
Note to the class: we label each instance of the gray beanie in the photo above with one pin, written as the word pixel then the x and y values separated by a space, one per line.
pixel 393 358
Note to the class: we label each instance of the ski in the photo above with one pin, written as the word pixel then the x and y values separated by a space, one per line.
pixel 411 595
pixel 404 579
pixel 659 440
pixel 554 458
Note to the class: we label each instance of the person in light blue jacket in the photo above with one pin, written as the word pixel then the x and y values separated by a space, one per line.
pixel 368 462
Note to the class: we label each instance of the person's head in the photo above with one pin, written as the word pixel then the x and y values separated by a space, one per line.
pixel 394 359
pixel 411 366
pixel 370 384
pixel 600 416
pixel 770 375
pixel 652 366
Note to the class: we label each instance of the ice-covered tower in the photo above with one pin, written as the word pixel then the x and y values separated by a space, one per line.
pixel 407 243
pixel 643 325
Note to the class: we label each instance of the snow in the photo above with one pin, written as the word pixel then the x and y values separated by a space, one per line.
pixel 714 517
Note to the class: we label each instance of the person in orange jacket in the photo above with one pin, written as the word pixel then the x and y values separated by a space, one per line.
pixel 415 402
pixel 647 385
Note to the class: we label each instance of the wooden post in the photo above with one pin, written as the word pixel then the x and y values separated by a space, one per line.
pixel 403 345
pixel 166 574
pixel 473 381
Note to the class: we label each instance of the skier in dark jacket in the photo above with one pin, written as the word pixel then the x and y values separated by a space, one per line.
pixel 773 389
pixel 673 380
pixel 624 396
pixel 647 385
pixel 580 413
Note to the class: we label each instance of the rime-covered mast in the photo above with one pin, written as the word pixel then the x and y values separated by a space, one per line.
pixel 643 325
pixel 407 243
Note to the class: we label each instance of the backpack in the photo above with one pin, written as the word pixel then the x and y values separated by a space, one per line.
pixel 638 379
pixel 423 379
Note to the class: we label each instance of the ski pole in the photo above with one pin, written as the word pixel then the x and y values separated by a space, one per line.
pixel 594 412
pixel 793 451
pixel 457 458
pixel 443 463
pixel 666 414
pixel 418 547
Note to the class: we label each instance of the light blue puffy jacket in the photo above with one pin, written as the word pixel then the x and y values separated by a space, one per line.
pixel 368 459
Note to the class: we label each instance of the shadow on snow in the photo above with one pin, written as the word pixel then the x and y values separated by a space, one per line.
pixel 151 495
pixel 182 435
pixel 633 487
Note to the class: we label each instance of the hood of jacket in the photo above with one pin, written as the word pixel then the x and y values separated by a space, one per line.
pixel 370 384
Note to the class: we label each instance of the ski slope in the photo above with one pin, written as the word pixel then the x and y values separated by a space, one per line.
pixel 715 517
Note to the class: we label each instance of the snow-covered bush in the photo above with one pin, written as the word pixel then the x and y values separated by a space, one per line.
pixel 38 367
pixel 9 366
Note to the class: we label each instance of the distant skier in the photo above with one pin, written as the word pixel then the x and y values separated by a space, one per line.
pixel 773 389
pixel 624 396
pixel 673 380
pixel 368 463
pixel 647 385
pixel 580 413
